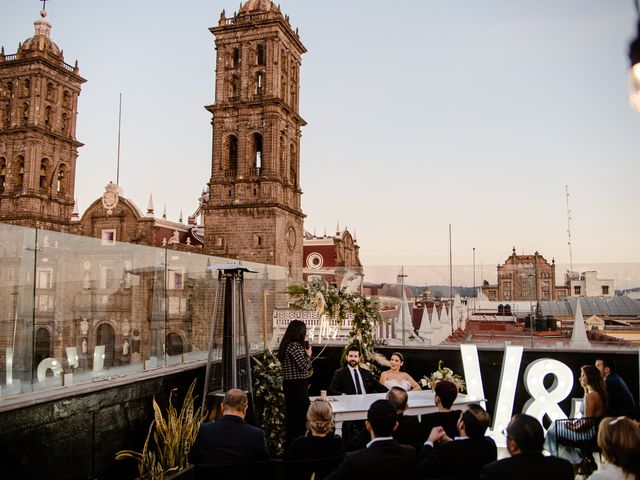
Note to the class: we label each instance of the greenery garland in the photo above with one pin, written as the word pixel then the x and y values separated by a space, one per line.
pixel 337 303
pixel 269 399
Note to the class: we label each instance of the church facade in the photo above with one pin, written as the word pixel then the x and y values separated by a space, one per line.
pixel 252 208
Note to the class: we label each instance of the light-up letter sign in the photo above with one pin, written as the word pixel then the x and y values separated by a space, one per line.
pixel 545 401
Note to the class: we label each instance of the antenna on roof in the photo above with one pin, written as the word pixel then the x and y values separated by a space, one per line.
pixel 566 187
pixel 119 125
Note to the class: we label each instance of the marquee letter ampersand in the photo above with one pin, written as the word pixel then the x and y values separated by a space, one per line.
pixel 545 401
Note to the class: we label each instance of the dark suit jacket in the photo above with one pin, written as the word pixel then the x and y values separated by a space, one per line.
pixel 456 458
pixel 446 420
pixel 343 382
pixel 528 466
pixel 620 397
pixel 308 446
pixel 383 460
pixel 228 441
pixel 407 433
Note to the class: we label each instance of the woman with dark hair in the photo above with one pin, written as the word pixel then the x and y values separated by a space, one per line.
pixel 594 404
pixel 619 440
pixel 295 357
pixel 396 376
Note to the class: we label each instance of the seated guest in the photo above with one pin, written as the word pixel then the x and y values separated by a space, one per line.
pixel 524 443
pixel 621 399
pixel 320 442
pixel 353 380
pixel 229 440
pixel 466 454
pixel 407 432
pixel 384 458
pixel 619 440
pixel 445 394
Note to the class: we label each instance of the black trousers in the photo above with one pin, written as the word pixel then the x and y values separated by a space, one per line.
pixel 296 403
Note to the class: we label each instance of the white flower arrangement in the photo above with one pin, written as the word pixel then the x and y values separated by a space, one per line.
pixel 443 373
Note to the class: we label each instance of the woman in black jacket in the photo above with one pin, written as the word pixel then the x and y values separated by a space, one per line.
pixel 295 357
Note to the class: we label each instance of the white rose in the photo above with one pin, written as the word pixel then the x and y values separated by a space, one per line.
pixel 438 375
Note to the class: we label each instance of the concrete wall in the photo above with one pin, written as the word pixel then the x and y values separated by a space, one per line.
pixel 77 437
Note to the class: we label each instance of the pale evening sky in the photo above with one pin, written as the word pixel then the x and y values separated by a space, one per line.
pixel 420 113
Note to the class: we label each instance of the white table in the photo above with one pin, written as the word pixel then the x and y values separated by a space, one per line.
pixel 354 407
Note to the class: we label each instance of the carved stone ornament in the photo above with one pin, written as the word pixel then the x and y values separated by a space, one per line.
pixel 110 197
pixel 84 326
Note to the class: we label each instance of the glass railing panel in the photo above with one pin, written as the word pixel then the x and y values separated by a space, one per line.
pixel 18 277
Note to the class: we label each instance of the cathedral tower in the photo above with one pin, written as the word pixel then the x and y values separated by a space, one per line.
pixel 38 147
pixel 253 210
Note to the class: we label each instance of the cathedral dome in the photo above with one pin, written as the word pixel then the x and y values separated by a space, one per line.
pixel 41 42
pixel 254 6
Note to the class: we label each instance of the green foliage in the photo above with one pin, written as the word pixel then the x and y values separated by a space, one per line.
pixel 172 439
pixel 326 299
pixel 269 399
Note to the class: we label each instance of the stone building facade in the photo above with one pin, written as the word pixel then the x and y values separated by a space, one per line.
pixel 334 259
pixel 525 278
pixel 253 210
pixel 38 146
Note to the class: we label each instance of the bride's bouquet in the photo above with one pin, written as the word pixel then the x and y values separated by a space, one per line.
pixel 443 373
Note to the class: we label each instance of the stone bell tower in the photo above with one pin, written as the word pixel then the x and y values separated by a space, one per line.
pixel 253 211
pixel 38 147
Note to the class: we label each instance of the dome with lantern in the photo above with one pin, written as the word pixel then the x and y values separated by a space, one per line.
pixel 41 43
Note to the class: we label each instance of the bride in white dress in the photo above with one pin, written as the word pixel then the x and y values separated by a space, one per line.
pixel 395 377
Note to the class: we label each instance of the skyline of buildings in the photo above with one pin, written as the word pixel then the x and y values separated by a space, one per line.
pixel 348 146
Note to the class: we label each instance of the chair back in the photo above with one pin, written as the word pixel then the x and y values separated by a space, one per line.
pixel 579 432
pixel 310 468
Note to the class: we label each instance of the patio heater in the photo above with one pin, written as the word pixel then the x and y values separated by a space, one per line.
pixel 229 359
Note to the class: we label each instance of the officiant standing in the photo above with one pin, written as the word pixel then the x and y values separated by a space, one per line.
pixel 294 354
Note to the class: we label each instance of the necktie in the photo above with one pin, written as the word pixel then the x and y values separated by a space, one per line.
pixel 356 379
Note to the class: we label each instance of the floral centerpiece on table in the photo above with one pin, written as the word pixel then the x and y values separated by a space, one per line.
pixel 443 373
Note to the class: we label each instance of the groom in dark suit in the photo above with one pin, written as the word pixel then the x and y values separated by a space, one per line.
pixel 229 440
pixel 353 380
pixel 384 458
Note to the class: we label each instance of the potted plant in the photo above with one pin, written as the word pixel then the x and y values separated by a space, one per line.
pixel 169 439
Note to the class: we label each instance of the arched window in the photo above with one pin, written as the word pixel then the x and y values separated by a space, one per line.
pixel 261 55
pixel 293 171
pixel 232 154
pixel 257 152
pixel 260 83
pixel 235 57
pixel 25 113
pixel 3 173
pixel 235 87
pixel 44 174
pixel 43 347
pixel 66 99
pixel 283 158
pixel 48 117
pixel 106 336
pixel 27 88
pixel 10 88
pixel 19 172
pixel 61 181
pixel 50 94
pixel 174 344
